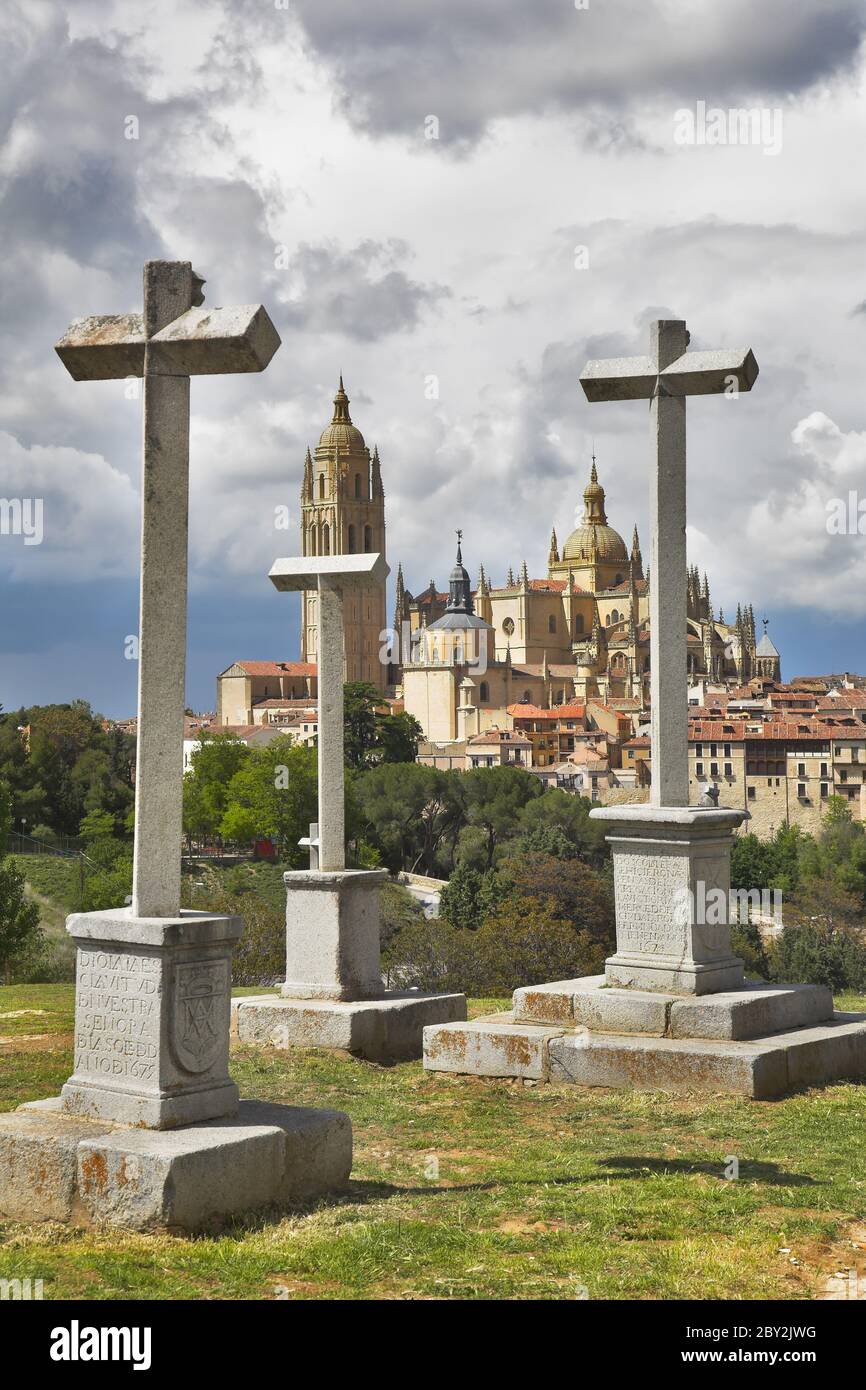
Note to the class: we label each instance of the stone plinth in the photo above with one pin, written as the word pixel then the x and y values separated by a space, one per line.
pixel 58 1167
pixel 152 1001
pixel 148 1132
pixel 332 933
pixel 333 996
pixel 758 1041
pixel 672 879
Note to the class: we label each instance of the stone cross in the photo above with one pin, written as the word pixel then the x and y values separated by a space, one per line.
pixel 330 576
pixel 665 378
pixel 174 339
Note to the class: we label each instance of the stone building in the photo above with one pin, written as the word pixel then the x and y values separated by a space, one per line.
pixel 343 513
pixel 581 632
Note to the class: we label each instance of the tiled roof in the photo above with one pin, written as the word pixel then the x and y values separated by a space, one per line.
pixel 276 702
pixel 521 711
pixel 500 736
pixel 278 668
pixel 843 699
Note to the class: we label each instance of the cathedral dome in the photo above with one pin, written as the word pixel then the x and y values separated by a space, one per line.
pixel 593 538
pixel 341 434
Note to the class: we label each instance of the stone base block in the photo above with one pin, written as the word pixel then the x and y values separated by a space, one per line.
pixel 388 1029
pixel 493 1046
pixel 752 1011
pixel 55 1166
pixel 673 975
pixel 762 1067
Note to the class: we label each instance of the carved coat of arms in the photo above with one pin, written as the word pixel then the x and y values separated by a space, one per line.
pixel 200 1023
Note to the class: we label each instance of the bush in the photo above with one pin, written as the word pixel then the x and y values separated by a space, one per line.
pixel 810 954
pixel 108 887
pixel 747 942
pixel 470 895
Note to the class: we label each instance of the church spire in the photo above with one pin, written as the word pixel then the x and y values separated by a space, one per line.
pixel 341 414
pixel 307 485
pixel 553 557
pixel 459 585
pixel 377 489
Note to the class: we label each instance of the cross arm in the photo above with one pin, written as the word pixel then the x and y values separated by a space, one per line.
pixel 200 342
pixel 619 379
pixel 337 571
pixel 203 342
pixel 710 373
pixel 103 347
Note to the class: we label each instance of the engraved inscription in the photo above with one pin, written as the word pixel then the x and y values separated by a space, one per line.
pixel 648 890
pixel 117 1014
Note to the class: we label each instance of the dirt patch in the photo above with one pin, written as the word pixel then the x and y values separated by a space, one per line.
pixel 36 1042
pixel 832 1269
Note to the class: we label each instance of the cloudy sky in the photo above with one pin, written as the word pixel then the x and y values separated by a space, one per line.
pixel 482 191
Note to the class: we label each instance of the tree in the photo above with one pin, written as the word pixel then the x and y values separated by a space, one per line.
pixel 360 731
pixel 206 786
pixel 561 811
pixel 469 896
pixel 576 892
pixel 274 793
pixel 20 931
pixel 495 798
pixel 398 736
pixel 409 809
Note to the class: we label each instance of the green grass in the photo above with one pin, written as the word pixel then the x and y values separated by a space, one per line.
pixel 541 1191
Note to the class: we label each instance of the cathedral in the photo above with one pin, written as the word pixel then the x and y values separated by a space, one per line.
pixel 582 632
pixel 463 657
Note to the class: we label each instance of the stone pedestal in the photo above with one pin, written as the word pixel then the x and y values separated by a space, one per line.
pixel 672 879
pixel 333 995
pixel 152 1001
pixel 148 1131
pixel 672 1011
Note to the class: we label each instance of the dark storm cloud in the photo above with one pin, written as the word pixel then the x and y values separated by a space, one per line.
pixel 362 292
pixel 471 63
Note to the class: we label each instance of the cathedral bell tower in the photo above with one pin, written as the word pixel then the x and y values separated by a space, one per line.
pixel 343 513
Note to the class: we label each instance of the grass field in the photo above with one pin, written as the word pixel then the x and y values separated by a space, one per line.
pixel 542 1192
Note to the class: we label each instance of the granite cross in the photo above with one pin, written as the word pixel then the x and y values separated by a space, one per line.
pixel 172 340
pixel 330 576
pixel 665 378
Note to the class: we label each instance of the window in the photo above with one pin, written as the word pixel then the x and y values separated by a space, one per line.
pixel 801 790
pixel 368 538
pixel 607 620
pixel 351 541
pixel 727 750
pixel 357 485
pixel 508 626
pixel 824 792
pixel 614 617
pixel 321 485
pixel 699 750
pixel 729 769
pixel 551 623
pixel 484 691
pixel 751 793
pixel 578 623
pixel 712 750
pixel 823 769
pixel 801 769
pixel 699 769
pixel 326 539
pixel 714 769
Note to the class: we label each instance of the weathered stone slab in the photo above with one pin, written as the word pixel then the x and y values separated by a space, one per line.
pixel 753 1012
pixel 686 1066
pixel 188 1179
pixel 491 1046
pixel 386 1029
pixel 587 1003
pixel 750 1012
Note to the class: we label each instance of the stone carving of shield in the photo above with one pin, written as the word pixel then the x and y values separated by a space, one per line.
pixel 199 1024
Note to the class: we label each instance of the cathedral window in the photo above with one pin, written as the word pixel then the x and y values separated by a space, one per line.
pixel 368 538
pixel 357 485
pixel 614 617
pixel 326 539
pixel 321 485
pixel 508 626
pixel 351 540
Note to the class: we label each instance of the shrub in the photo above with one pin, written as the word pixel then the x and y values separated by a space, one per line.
pixel 812 954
